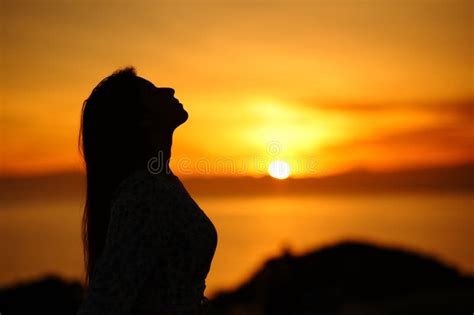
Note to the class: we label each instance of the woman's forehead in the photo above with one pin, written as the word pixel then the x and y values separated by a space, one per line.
pixel 145 83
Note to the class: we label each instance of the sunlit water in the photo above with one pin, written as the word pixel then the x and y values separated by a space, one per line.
pixel 44 237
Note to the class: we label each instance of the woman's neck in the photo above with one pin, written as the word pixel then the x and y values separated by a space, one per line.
pixel 159 154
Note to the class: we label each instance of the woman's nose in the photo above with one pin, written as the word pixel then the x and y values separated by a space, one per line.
pixel 167 91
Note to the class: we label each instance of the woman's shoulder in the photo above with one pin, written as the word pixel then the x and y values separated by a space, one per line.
pixel 143 184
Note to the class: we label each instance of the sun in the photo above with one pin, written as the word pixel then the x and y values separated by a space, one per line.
pixel 279 169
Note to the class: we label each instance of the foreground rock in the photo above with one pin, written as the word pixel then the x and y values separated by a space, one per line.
pixel 348 278
pixel 49 295
pixel 351 278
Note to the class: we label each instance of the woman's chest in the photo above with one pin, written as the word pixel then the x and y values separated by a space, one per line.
pixel 193 236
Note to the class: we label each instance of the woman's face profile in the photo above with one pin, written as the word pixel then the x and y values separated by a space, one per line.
pixel 162 109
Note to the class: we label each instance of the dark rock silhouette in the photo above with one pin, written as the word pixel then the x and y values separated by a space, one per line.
pixel 48 295
pixel 347 278
pixel 351 278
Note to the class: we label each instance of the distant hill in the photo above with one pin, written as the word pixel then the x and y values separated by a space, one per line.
pixel 351 278
pixel 58 186
pixel 438 179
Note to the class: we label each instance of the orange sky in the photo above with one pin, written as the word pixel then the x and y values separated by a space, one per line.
pixel 324 85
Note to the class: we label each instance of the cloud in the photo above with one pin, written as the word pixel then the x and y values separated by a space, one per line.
pixel 444 144
pixel 462 108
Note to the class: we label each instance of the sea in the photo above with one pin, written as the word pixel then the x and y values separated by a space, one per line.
pixel 39 237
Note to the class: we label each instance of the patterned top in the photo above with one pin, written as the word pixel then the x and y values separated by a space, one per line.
pixel 157 254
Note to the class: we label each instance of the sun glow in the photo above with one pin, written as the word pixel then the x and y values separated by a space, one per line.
pixel 279 169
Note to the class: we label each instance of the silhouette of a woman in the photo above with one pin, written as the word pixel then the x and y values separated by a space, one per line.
pixel 148 246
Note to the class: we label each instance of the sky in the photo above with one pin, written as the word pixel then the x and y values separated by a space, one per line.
pixel 326 86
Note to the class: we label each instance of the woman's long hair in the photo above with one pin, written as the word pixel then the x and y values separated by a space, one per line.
pixel 112 143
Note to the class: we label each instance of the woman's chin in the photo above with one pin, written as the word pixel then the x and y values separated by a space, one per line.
pixel 184 117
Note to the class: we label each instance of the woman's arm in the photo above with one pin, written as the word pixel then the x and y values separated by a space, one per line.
pixel 134 237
